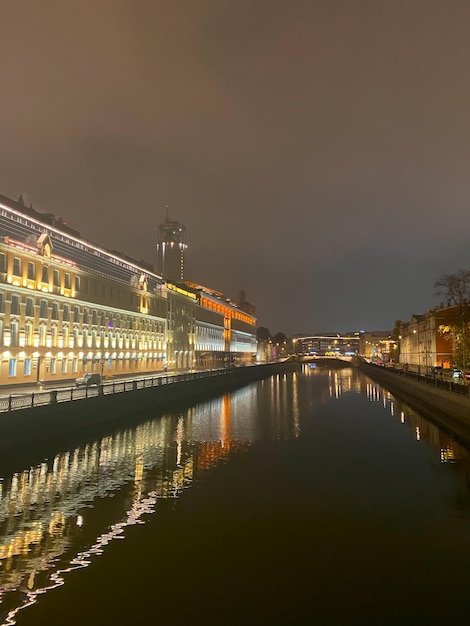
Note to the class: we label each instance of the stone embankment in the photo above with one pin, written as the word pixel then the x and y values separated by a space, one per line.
pixel 44 429
pixel 449 409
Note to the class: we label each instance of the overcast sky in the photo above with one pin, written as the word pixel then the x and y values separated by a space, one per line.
pixel 318 152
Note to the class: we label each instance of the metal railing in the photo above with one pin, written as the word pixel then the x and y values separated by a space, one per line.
pixel 463 388
pixel 41 398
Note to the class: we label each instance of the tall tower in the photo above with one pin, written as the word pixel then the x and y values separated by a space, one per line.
pixel 171 250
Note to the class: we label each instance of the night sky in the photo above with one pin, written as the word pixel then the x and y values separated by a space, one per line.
pixel 318 152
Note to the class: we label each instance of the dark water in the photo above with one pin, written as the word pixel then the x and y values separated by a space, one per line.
pixel 312 498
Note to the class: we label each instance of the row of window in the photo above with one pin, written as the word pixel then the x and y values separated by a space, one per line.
pixel 66 363
pixel 13 337
pixel 58 279
pixel 79 314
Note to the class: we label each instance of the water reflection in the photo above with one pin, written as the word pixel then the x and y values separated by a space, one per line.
pixel 58 516
pixel 49 513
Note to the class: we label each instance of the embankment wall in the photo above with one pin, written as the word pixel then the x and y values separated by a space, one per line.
pixel 43 429
pixel 449 409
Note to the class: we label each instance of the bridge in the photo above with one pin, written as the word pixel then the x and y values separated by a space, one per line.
pixel 328 361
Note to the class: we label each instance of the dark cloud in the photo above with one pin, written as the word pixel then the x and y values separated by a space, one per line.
pixel 316 151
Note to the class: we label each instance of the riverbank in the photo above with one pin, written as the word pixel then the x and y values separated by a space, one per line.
pixel 447 408
pixel 39 432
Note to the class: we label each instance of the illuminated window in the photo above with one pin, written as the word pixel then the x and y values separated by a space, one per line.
pixel 27 367
pixel 14 334
pixel 28 334
pixel 65 336
pixel 12 367
pixel 31 270
pixel 16 266
pixel 42 334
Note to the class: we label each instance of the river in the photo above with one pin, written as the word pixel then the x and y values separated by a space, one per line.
pixel 313 497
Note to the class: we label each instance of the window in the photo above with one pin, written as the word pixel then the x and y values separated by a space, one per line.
pixel 76 313
pixel 54 336
pixel 56 278
pixel 64 365
pixel 31 270
pixel 65 336
pixel 15 305
pixel 14 334
pixel 28 334
pixel 67 282
pixel 12 367
pixel 77 283
pixel 53 367
pixel 1 302
pixel 2 263
pixel 29 312
pixel 42 334
pixel 27 367
pixel 55 311
pixel 94 318
pixel 85 316
pixel 16 266
pixel 43 309
pixel 45 274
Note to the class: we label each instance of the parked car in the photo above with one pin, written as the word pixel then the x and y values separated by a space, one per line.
pixel 90 378
pixel 457 374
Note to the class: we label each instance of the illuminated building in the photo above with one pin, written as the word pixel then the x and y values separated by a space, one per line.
pixel 171 250
pixel 431 340
pixel 328 344
pixel 223 333
pixel 69 306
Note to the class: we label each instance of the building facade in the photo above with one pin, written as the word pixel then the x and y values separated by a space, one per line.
pixel 68 306
pixel 437 338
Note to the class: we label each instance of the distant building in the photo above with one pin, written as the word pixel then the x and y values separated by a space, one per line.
pixel 171 250
pixel 327 344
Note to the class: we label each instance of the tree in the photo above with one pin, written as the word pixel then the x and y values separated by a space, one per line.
pixel 279 338
pixel 395 336
pixel 263 333
pixel 455 289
